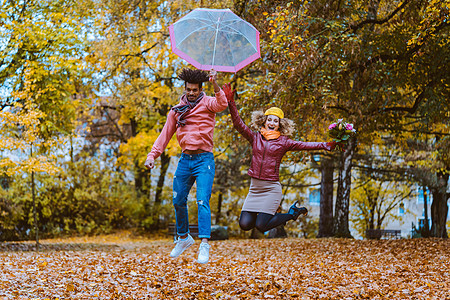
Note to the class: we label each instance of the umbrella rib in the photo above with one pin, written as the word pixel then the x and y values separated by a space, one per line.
pixel 211 25
pixel 215 39
pixel 194 31
pixel 226 24
pixel 234 31
pixel 232 55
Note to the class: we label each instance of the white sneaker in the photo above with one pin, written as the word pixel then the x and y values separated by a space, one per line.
pixel 181 245
pixel 203 253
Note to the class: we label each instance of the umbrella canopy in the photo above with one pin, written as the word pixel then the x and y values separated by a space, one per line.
pixel 215 39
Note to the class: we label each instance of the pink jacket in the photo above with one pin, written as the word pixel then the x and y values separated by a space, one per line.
pixel 198 131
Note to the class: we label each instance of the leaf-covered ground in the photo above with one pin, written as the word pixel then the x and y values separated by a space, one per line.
pixel 120 268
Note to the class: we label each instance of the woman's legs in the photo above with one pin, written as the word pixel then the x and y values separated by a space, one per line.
pixel 262 221
pixel 265 222
pixel 247 220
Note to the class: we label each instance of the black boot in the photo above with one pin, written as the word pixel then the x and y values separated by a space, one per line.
pixel 297 211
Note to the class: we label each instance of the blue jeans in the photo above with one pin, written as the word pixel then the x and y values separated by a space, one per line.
pixel 191 168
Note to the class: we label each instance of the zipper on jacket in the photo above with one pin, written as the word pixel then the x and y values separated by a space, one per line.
pixel 262 160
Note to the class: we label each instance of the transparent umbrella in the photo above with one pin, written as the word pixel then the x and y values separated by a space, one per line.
pixel 215 39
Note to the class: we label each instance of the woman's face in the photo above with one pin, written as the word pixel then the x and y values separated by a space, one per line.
pixel 272 123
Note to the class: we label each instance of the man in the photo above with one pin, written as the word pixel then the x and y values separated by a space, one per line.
pixel 193 120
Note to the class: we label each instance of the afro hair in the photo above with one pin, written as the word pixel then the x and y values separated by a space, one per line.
pixel 193 76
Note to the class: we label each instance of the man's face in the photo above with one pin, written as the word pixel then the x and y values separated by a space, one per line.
pixel 192 91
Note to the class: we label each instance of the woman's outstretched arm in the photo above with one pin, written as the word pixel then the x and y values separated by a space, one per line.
pixel 238 124
pixel 299 145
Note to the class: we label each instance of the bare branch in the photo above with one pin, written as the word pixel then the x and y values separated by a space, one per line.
pixel 361 24
pixel 400 57
pixel 411 109
pixel 122 136
pixel 104 135
pixel 425 132
pixel 339 108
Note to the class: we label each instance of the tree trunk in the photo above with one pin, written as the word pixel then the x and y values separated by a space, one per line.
pixel 219 208
pixel 425 231
pixel 139 179
pixel 326 199
pixel 371 224
pixel 33 193
pixel 439 207
pixel 154 210
pixel 341 224
pixel 139 173
pixel 165 161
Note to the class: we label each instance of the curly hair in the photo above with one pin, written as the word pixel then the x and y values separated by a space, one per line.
pixel 193 76
pixel 287 126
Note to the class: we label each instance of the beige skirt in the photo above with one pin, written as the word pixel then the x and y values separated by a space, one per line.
pixel 263 196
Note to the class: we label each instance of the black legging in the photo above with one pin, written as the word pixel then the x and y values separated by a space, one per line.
pixel 262 221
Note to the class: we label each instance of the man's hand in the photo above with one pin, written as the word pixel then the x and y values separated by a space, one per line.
pixel 212 79
pixel 149 163
pixel 212 75
pixel 228 92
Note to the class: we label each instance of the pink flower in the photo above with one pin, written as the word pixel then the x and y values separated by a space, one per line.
pixel 349 126
pixel 332 126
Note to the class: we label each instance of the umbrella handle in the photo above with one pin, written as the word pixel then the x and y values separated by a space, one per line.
pixel 212 74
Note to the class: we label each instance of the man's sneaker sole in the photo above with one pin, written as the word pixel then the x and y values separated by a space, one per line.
pixel 207 256
pixel 191 242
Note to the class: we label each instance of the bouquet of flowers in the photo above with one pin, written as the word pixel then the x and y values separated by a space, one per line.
pixel 340 132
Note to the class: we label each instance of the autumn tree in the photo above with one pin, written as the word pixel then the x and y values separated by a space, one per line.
pixel 138 75
pixel 373 202
pixel 376 64
pixel 231 175
pixel 426 161
pixel 41 47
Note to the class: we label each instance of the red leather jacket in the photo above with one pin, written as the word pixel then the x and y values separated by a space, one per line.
pixel 267 154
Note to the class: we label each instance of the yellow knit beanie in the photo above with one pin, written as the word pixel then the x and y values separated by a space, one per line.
pixel 275 111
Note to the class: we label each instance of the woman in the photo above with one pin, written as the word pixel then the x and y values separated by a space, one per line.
pixel 269 144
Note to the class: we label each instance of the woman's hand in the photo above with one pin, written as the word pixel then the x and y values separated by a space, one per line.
pixel 229 93
pixel 334 144
pixel 341 146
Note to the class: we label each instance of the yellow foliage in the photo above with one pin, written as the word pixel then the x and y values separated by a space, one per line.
pixel 20 131
pixel 138 146
pixel 33 164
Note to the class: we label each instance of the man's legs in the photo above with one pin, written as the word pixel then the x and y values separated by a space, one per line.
pixel 182 183
pixel 204 170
